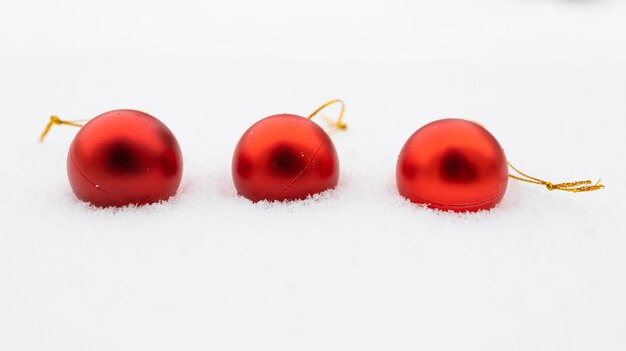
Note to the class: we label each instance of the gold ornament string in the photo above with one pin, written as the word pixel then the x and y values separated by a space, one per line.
pixel 573 187
pixel 56 120
pixel 335 124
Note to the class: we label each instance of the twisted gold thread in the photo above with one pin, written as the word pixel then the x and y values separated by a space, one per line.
pixel 56 120
pixel 573 187
pixel 335 124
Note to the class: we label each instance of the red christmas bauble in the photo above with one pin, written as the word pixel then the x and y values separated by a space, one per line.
pixel 284 157
pixel 453 164
pixel 124 157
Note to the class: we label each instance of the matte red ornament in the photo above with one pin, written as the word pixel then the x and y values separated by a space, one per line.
pixel 284 157
pixel 453 164
pixel 124 157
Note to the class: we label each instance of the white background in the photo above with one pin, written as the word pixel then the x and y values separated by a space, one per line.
pixel 357 268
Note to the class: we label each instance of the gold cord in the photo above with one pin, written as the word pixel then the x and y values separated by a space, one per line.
pixel 572 187
pixel 339 123
pixel 56 120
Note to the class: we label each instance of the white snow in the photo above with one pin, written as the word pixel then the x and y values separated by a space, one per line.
pixel 357 268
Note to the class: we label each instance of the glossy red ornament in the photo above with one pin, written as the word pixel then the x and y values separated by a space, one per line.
pixel 284 157
pixel 453 164
pixel 124 157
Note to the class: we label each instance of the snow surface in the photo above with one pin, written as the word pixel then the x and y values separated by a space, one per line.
pixel 357 268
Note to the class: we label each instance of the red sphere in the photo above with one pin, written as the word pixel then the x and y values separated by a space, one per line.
pixel 453 164
pixel 284 157
pixel 124 157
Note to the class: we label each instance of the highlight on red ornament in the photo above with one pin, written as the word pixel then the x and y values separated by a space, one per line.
pixel 122 157
pixel 457 165
pixel 286 157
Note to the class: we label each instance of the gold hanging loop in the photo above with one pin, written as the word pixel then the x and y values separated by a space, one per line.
pixel 335 124
pixel 56 120
pixel 572 187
